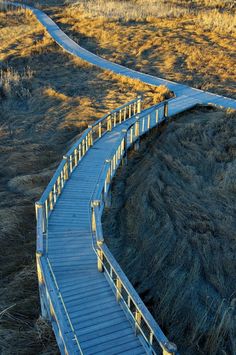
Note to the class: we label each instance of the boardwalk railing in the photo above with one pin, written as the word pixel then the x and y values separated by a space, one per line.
pixel 71 160
pixel 144 323
pixel 48 288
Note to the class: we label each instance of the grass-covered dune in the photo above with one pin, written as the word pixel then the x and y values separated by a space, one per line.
pixel 172 228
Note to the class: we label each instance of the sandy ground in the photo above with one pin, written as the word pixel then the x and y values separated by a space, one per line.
pixel 172 228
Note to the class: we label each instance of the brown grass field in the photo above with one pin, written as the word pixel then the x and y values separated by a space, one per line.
pixel 181 185
pixel 191 42
pixel 171 226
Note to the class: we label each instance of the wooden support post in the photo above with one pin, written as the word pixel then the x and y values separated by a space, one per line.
pixel 54 194
pixel 125 113
pixel 149 122
pixel 41 226
pixel 46 209
pixel 151 338
pixel 109 124
pixel 76 156
pixel 125 152
pixel 100 129
pixel 90 135
pixel 50 201
pixel 138 319
pixel 169 349
pixel 114 119
pixel 71 163
pixel 130 111
pixel 66 169
pixel 94 204
pixel 118 289
pixel 80 152
pixel 59 185
pixel 44 312
pixel 165 109
pixel 83 147
pixel 139 103
pixel 157 116
pixel 62 179
pixel 100 258
pixel 137 127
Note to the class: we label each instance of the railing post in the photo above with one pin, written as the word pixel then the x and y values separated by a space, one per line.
pixel 100 257
pixel 100 129
pixel 169 349
pixel 76 156
pixel 165 109
pixel 66 172
pixel 90 135
pixel 138 319
pixel 125 154
pixel 139 104
pixel 118 289
pixel 149 122
pixel 44 312
pixel 107 192
pixel 136 144
pixel 109 122
pixel 157 116
pixel 41 226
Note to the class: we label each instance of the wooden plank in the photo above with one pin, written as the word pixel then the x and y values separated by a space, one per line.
pixel 115 343
pixel 106 324
pixel 81 301
pixel 103 332
pixel 97 315
pixel 101 320
pixel 103 338
pixel 84 286
pixel 88 309
pixel 85 292
pixel 130 345
pixel 137 351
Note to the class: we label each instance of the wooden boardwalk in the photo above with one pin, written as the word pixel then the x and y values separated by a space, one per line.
pixel 94 312
pixel 85 295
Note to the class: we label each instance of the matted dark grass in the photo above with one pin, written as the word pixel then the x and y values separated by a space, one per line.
pixel 172 227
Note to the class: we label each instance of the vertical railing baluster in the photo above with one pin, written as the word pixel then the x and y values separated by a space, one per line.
pixel 157 116
pixel 118 289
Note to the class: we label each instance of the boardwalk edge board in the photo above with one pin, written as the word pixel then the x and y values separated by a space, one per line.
pixel 125 126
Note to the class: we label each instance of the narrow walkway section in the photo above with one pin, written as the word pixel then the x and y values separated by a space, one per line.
pixel 86 307
pixel 100 324
pixel 73 48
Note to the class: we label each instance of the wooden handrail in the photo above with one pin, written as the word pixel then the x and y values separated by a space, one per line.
pixel 106 261
pixel 69 162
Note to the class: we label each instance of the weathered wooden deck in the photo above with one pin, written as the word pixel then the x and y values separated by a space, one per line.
pixel 94 312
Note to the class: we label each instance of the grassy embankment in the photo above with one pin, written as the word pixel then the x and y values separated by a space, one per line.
pixel 46 99
pixel 171 226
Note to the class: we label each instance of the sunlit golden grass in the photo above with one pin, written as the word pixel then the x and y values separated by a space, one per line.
pixel 196 48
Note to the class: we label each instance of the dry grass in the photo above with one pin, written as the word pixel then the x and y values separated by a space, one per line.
pixel 47 98
pixel 172 228
pixel 195 48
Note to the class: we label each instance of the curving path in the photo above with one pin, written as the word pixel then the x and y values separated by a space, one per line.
pixel 73 48
pixel 96 312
